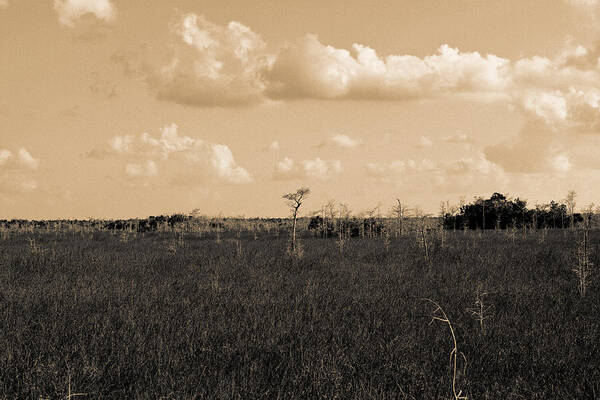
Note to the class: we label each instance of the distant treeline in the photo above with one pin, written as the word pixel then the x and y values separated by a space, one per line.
pixel 152 223
pixel 496 212
pixel 500 212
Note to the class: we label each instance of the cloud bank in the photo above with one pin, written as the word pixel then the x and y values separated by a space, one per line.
pixel 231 65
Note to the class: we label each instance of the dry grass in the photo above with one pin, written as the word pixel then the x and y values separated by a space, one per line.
pixel 222 321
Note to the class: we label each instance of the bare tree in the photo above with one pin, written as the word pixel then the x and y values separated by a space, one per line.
pixel 570 200
pixel 329 215
pixel 400 210
pixel 294 201
pixel 344 215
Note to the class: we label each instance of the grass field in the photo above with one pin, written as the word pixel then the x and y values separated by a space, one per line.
pixel 160 315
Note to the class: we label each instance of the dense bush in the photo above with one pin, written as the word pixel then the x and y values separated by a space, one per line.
pixel 500 212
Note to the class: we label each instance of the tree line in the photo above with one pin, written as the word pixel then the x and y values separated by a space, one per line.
pixel 501 212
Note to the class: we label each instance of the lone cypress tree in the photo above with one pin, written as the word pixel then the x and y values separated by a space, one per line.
pixel 294 201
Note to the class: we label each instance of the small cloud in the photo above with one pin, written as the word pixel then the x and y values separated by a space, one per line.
pixel 223 162
pixel 561 163
pixel 5 155
pixel 274 146
pixel 121 144
pixel 584 3
pixel 71 10
pixel 382 170
pixel 147 169
pixel 287 169
pixel 459 138
pixel 424 142
pixel 27 160
pixel 321 169
pixel 28 185
pixel 345 141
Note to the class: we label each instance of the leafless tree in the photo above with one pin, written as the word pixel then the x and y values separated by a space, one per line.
pixel 294 201
pixel 570 200
pixel 344 215
pixel 400 211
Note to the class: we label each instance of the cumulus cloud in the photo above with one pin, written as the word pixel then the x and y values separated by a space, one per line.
pixel 320 169
pixel 223 162
pixel 213 65
pixel 229 65
pixel 345 141
pixel 308 68
pixel 71 10
pixel 194 156
pixel 274 146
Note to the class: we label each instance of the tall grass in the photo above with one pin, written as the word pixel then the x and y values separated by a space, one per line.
pixel 238 319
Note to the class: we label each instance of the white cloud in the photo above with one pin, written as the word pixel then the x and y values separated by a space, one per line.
pixel 16 172
pixel 396 167
pixel 222 160
pixel 213 65
pixel 308 68
pixel 71 10
pixel 345 141
pixel 561 163
pixel 5 155
pixel 147 169
pixel 321 169
pixel 459 138
pixel 551 107
pixel 231 65
pixel 471 165
pixel 207 160
pixel 170 141
pixel 121 144
pixel 285 165
pixel 274 146
pixel 584 3
pixel 424 142
pixel 23 160
pixel 27 160
pixel 28 185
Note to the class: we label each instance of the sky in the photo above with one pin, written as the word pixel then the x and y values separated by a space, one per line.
pixel 117 109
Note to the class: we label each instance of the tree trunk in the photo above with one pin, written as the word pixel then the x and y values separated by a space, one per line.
pixel 294 231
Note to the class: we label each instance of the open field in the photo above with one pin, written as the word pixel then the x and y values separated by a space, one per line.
pixel 181 316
